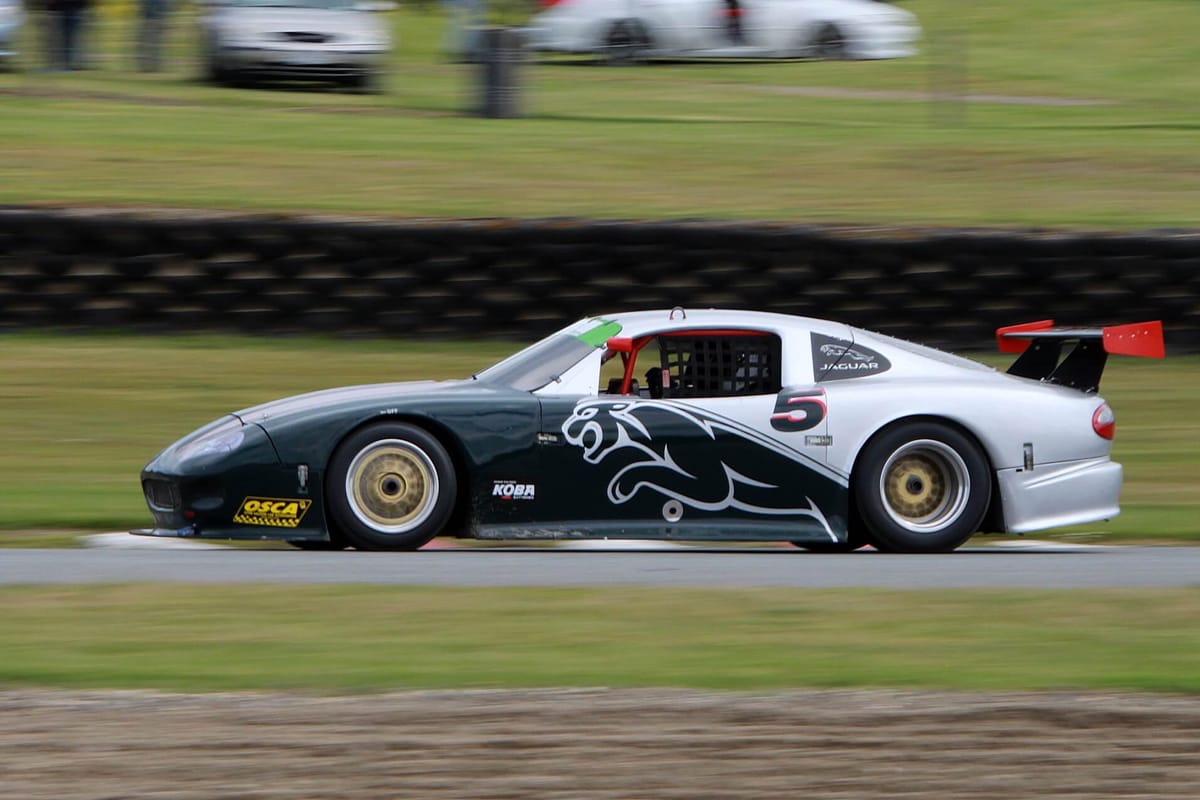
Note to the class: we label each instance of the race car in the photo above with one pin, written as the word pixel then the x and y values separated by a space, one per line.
pixel 702 425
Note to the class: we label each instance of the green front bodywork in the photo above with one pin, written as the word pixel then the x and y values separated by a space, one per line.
pixel 488 430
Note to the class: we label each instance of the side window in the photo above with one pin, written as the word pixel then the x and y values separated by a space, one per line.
pixel 718 364
pixel 702 363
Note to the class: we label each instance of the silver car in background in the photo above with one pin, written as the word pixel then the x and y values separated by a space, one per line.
pixel 620 31
pixel 339 41
pixel 10 25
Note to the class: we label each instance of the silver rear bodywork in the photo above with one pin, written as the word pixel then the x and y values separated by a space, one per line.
pixel 1050 466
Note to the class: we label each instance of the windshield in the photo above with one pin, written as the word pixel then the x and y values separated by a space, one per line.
pixel 544 361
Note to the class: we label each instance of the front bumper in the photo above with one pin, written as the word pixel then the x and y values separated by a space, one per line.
pixel 298 64
pixel 1065 493
pixel 225 481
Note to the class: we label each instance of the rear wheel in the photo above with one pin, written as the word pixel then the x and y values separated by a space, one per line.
pixel 390 486
pixel 852 542
pixel 922 487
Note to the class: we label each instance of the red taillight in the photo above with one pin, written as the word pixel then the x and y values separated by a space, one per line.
pixel 1104 422
pixel 549 3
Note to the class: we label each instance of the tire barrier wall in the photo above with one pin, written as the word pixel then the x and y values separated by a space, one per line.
pixel 178 271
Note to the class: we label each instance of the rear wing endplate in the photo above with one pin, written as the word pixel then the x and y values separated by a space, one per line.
pixel 1040 346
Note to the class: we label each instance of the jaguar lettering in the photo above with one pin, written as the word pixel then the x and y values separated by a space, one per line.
pixel 837 359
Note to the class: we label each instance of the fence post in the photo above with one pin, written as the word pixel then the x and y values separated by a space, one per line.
pixel 503 51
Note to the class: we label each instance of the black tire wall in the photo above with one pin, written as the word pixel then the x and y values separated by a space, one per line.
pixel 168 271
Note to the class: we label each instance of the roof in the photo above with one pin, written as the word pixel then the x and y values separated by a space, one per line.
pixel 680 317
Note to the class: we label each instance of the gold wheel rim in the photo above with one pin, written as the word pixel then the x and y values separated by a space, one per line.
pixel 915 487
pixel 925 486
pixel 392 486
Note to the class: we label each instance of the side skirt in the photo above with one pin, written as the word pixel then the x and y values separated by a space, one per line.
pixel 802 530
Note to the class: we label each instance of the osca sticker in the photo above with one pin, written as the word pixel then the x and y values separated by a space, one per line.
pixel 507 490
pixel 275 512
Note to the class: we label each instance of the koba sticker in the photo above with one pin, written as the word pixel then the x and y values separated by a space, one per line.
pixel 506 490
pixel 275 512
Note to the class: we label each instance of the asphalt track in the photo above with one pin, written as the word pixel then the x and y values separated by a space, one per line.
pixel 1070 568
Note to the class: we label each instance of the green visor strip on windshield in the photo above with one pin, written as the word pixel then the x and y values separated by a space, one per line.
pixel 600 334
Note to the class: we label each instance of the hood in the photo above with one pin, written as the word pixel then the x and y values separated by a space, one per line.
pixel 345 396
pixel 341 26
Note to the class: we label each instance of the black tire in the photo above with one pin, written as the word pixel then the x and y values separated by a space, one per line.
pixel 921 487
pixel 848 546
pixel 830 43
pixel 212 71
pixel 624 44
pixel 311 544
pixel 367 82
pixel 389 486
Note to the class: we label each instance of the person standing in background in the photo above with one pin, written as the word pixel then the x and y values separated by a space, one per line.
pixel 64 33
pixel 152 30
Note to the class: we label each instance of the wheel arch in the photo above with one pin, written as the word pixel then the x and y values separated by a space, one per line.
pixel 814 29
pixel 453 445
pixel 993 519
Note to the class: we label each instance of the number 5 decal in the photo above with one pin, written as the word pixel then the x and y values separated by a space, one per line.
pixel 798 409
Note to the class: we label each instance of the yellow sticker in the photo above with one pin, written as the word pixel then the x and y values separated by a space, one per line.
pixel 276 512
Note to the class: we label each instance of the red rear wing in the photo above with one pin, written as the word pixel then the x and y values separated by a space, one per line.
pixel 1143 339
pixel 1040 345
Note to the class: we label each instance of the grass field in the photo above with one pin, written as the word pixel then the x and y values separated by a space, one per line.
pixel 378 638
pixel 805 142
pixel 853 141
pixel 81 415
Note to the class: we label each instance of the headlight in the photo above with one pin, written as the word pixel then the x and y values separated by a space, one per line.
pixel 218 445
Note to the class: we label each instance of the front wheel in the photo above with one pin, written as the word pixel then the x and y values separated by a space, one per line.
pixel 390 486
pixel 624 44
pixel 830 43
pixel 313 544
pixel 922 488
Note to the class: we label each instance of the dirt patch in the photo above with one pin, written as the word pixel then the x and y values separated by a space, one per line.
pixel 598 744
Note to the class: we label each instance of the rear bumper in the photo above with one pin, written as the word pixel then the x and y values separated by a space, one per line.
pixel 1053 495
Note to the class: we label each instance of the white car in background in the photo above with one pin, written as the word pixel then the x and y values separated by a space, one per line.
pixel 339 41
pixel 629 30
pixel 10 25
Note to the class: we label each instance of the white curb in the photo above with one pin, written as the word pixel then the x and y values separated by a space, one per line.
pixel 127 541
